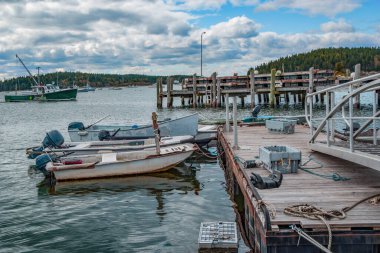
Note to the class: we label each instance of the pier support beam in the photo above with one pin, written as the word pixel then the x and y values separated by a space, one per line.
pixel 234 106
pixel 218 93
pixel 357 76
pixel 213 90
pixel 169 89
pixel 159 92
pixel 252 88
pixel 194 90
pixel 227 114
pixel 272 87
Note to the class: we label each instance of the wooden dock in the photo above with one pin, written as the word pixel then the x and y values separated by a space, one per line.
pixel 358 232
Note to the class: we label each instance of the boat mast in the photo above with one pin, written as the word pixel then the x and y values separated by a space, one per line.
pixel 30 74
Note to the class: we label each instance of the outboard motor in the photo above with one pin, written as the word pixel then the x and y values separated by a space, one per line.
pixel 37 150
pixel 272 181
pixel 256 111
pixel 76 125
pixel 53 139
pixel 104 135
pixel 41 162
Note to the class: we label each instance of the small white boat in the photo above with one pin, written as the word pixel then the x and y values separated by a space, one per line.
pixel 114 164
pixel 187 125
pixel 54 143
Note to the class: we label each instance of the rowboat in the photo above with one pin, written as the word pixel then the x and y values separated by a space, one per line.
pixel 187 125
pixel 54 143
pixel 114 164
pixel 178 178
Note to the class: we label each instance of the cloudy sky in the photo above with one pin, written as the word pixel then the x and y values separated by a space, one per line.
pixel 160 37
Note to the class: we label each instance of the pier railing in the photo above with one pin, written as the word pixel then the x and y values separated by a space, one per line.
pixel 335 118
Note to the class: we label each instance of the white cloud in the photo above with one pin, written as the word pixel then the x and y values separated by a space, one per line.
pixel 339 26
pixel 151 36
pixel 312 7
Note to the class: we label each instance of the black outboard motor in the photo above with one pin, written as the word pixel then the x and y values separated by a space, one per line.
pixel 76 125
pixel 256 111
pixel 41 162
pixel 53 139
pixel 104 135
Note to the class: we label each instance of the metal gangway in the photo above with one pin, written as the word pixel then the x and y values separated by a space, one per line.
pixel 341 130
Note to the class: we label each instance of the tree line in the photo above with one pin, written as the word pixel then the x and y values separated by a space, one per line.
pixel 70 79
pixel 338 59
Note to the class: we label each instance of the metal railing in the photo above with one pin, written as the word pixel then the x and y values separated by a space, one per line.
pixel 337 111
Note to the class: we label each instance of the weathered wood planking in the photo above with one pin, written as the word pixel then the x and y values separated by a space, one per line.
pixel 304 187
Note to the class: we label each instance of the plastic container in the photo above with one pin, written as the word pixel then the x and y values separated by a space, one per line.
pixel 280 158
pixel 284 126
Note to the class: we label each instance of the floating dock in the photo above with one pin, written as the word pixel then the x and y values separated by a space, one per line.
pixel 263 222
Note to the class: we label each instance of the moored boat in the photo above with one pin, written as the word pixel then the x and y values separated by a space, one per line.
pixel 53 143
pixel 40 92
pixel 187 125
pixel 114 164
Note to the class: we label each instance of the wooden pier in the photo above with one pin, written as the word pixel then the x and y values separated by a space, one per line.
pixel 272 89
pixel 358 232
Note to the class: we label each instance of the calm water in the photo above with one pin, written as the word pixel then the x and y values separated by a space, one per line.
pixel 153 213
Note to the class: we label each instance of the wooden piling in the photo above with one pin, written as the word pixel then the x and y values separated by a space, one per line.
pixel 218 93
pixel 159 92
pixel 272 87
pixel 252 88
pixel 213 90
pixel 194 90
pixel 169 99
pixel 227 114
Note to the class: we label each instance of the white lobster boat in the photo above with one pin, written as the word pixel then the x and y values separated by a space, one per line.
pixel 98 147
pixel 116 164
pixel 187 125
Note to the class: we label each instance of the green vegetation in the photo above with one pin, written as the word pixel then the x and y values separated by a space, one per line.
pixel 338 59
pixel 68 79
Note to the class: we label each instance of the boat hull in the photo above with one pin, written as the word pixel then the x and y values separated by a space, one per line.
pixel 61 95
pixel 182 126
pixel 18 98
pixel 127 168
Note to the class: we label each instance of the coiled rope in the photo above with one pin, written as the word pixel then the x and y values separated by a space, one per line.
pixel 314 213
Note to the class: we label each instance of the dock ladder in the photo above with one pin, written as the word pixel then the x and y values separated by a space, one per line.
pixel 353 137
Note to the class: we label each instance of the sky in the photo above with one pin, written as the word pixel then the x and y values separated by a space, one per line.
pixel 163 37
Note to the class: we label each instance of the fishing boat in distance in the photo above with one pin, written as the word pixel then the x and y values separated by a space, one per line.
pixel 53 143
pixel 48 92
pixel 40 92
pixel 114 164
pixel 187 125
pixel 86 88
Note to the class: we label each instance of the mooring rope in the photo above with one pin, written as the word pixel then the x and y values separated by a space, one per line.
pixel 334 176
pixel 271 208
pixel 314 213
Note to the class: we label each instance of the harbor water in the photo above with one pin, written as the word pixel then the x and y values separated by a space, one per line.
pixel 149 213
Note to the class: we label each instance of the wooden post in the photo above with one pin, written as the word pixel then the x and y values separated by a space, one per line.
pixel 168 92
pixel 156 132
pixel 272 87
pixel 242 101
pixel 194 90
pixel 218 93
pixel 235 146
pixel 227 114
pixel 213 90
pixel 252 88
pixel 357 76
pixel 159 92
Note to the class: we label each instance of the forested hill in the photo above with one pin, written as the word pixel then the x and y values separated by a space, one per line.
pixel 337 59
pixel 67 79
